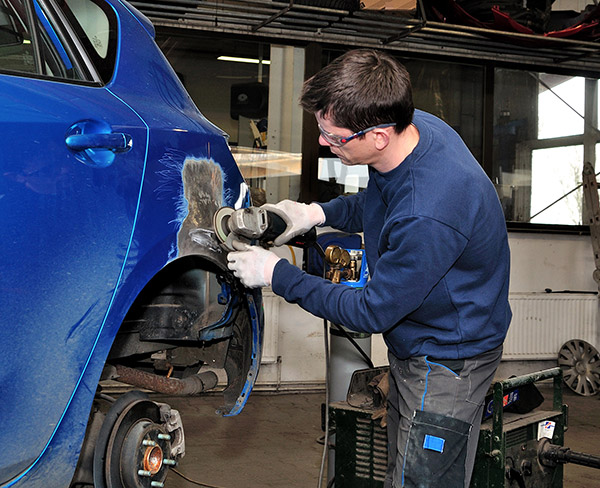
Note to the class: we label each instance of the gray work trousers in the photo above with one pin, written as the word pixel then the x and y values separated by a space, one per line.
pixel 433 419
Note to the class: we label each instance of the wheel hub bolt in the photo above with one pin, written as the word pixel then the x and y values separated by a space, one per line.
pixel 170 462
pixel 148 442
pixel 158 484
pixel 143 472
pixel 164 437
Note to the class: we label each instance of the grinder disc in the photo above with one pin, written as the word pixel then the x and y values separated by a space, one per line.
pixel 221 223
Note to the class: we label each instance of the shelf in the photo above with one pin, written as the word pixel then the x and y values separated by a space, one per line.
pixel 303 23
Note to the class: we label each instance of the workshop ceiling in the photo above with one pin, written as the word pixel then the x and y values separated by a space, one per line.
pixel 289 22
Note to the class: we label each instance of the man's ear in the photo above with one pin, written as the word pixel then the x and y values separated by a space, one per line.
pixel 382 138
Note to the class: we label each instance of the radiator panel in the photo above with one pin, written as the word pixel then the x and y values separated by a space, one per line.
pixel 543 322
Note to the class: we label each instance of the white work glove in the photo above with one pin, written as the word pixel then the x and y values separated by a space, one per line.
pixel 253 265
pixel 299 217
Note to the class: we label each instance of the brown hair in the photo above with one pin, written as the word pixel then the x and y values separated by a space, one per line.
pixel 360 89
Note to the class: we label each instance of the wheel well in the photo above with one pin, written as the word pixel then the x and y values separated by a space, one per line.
pixel 193 322
pixel 151 356
pixel 173 313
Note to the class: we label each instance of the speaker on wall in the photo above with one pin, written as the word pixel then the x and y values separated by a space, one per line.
pixel 249 100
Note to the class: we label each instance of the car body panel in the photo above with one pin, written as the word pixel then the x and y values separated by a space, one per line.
pixel 70 264
pixel 82 236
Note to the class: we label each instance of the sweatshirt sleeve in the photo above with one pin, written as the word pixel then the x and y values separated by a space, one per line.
pixel 345 212
pixel 420 253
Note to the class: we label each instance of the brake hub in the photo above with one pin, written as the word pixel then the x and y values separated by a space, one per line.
pixel 141 442
pixel 145 454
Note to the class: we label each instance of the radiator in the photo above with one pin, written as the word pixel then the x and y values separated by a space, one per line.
pixel 543 322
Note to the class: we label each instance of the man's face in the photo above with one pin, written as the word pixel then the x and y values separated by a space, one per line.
pixel 356 151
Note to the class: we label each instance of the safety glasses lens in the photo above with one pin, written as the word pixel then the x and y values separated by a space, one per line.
pixel 331 138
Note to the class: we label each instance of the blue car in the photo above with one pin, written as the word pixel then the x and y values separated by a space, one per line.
pixel 109 266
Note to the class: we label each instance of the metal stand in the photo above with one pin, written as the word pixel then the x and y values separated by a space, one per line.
pixel 590 194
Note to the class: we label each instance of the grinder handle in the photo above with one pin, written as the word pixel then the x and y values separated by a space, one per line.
pixel 277 226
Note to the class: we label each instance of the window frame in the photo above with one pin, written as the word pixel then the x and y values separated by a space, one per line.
pixel 587 139
pixel 41 43
pixel 71 43
pixel 488 90
pixel 104 69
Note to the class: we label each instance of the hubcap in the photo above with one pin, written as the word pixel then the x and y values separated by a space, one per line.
pixel 580 364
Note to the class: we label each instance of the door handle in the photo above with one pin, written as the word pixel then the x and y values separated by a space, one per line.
pixel 117 142
pixel 95 144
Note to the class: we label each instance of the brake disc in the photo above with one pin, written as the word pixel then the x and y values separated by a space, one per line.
pixel 134 449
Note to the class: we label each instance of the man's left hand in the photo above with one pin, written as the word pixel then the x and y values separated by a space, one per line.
pixel 253 265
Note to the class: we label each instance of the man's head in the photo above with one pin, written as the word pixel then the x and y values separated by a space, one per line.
pixel 362 88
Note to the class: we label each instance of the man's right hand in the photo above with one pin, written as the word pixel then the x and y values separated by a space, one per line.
pixel 299 217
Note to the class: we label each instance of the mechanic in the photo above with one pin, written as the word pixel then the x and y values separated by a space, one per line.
pixel 437 249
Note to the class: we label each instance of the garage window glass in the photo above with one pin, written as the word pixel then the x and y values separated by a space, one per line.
pixel 31 44
pixel 545 129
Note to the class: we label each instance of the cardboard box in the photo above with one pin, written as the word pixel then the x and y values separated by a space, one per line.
pixel 408 6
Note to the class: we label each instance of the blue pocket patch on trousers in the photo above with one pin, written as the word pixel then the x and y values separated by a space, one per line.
pixel 434 443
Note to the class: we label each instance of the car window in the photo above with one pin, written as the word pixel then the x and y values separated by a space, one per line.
pixel 16 50
pixel 30 42
pixel 96 26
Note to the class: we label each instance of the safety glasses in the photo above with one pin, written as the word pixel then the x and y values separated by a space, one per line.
pixel 339 141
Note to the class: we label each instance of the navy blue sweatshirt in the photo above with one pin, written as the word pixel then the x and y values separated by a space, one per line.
pixel 437 250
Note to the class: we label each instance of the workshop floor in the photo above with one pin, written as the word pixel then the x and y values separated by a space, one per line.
pixel 273 443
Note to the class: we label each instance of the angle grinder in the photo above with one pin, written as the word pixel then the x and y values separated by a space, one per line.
pixel 255 225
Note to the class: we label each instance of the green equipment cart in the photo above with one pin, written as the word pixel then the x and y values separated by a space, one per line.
pixel 522 450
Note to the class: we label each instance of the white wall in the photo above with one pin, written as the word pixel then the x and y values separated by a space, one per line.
pixel 558 262
pixel 538 262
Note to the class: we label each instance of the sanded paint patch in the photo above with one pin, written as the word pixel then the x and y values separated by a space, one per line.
pixel 203 186
pixel 198 187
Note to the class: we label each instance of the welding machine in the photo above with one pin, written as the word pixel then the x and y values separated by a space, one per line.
pixel 515 449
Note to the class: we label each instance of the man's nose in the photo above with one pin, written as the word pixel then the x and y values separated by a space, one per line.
pixel 323 141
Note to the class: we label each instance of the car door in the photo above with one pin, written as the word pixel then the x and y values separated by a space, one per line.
pixel 72 160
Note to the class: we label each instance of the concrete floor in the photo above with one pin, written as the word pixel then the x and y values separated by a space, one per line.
pixel 273 442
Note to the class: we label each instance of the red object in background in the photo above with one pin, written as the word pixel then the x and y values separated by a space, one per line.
pixel 449 11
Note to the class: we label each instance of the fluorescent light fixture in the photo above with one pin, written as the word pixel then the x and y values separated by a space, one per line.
pixel 243 60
